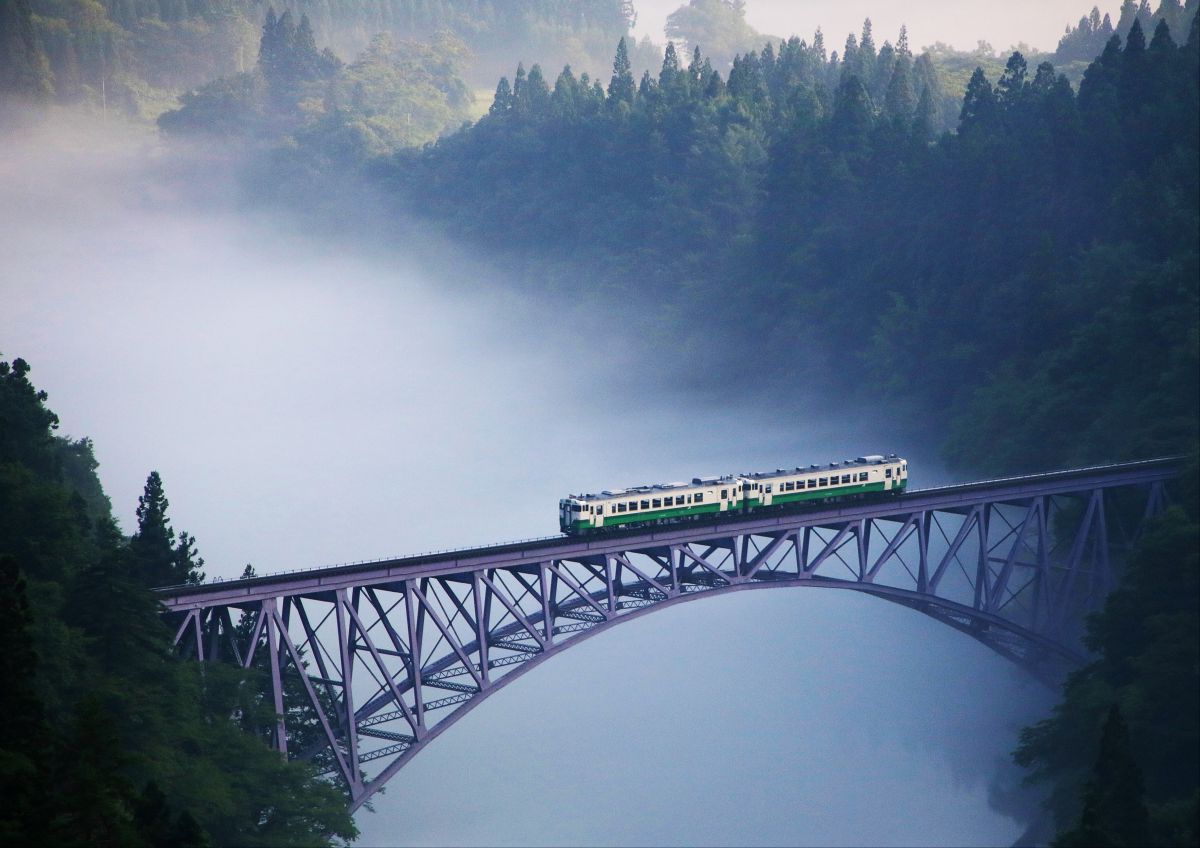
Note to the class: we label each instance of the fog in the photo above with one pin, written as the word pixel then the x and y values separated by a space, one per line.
pixel 308 399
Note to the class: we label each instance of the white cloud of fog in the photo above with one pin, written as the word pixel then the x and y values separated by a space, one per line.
pixel 309 401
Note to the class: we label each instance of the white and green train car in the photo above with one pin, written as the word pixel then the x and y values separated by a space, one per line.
pixel 708 496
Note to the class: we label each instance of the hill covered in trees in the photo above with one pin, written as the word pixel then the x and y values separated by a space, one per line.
pixel 132 58
pixel 110 740
pixel 1028 280
pixel 1017 267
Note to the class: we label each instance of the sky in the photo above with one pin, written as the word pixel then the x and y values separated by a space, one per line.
pixel 960 23
pixel 304 397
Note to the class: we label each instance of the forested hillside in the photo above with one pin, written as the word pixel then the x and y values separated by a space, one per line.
pixel 1029 281
pixel 133 57
pixel 1000 250
pixel 110 741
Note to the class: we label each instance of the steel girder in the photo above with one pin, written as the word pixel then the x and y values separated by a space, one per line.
pixel 370 665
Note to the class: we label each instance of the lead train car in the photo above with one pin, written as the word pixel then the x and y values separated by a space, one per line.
pixel 666 502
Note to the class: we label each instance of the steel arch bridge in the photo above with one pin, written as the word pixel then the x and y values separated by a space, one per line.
pixel 373 661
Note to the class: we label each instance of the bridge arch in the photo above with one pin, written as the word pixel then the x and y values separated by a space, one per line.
pixel 378 660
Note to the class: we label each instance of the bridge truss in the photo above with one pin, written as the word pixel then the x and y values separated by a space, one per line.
pixel 365 665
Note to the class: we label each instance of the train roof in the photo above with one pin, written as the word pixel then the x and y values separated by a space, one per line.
pixel 871 459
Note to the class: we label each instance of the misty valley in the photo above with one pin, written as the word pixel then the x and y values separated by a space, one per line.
pixel 321 284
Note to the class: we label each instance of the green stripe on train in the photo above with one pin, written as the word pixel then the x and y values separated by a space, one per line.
pixel 751 503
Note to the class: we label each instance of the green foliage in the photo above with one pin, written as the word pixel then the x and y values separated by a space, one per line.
pixel 134 56
pixel 24 68
pixel 95 703
pixel 393 95
pixel 718 27
pixel 1058 228
pixel 1148 642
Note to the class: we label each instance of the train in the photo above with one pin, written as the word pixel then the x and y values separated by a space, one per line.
pixel 664 503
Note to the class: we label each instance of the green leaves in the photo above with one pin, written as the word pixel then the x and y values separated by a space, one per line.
pixel 96 704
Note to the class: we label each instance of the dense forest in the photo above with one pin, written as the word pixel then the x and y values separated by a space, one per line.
pixel 1005 250
pixel 111 741
pixel 134 57
pixel 1031 279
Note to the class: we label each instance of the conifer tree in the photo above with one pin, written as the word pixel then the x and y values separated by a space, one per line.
pixel 151 546
pixel 1011 85
pixel 1114 806
pixel 621 86
pixel 852 116
pixel 518 93
pixel 503 100
pixel 979 104
pixel 25 742
pixel 899 102
pixel 537 92
pixel 670 67
pixel 924 121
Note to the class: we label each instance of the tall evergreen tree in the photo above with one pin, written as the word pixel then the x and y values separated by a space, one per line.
pixel 979 104
pixel 621 87
pixel 1114 805
pixel 503 100
pixel 25 742
pixel 154 554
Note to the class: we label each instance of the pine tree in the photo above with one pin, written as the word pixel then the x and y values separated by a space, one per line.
pixel 670 67
pixel 899 103
pixel 621 86
pixel 1011 86
pixel 925 119
pixel 979 104
pixel 518 93
pixel 503 101
pixel 537 92
pixel 153 552
pixel 852 116
pixel 270 45
pixel 25 742
pixel 1114 806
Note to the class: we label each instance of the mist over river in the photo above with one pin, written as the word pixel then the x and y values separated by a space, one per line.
pixel 310 401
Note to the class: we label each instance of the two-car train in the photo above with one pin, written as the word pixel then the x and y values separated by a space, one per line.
pixel 740 493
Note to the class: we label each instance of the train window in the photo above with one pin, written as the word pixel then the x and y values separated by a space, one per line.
pixel 724 493
pixel 824 481
pixel 645 504
pixel 632 505
pixel 888 472
pixel 699 497
pixel 620 507
pixel 768 491
pixel 845 478
pixel 656 503
pixel 862 476
pixel 812 484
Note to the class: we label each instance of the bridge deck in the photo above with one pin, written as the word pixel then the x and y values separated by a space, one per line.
pixel 958 496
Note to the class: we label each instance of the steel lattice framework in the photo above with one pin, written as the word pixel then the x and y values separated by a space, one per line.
pixel 376 660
